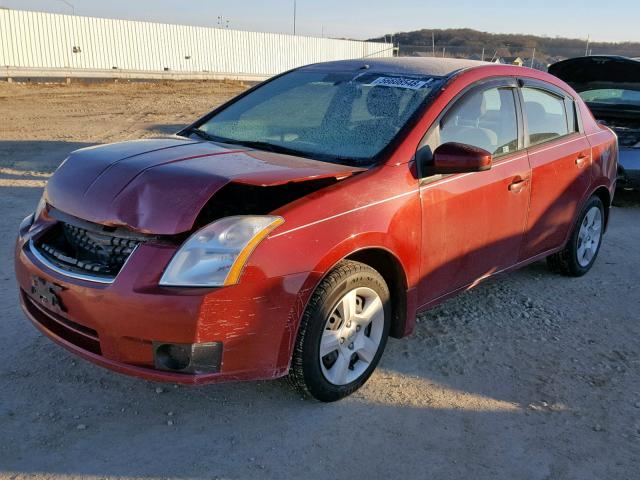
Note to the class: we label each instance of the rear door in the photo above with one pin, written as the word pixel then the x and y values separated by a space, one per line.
pixel 560 158
pixel 473 222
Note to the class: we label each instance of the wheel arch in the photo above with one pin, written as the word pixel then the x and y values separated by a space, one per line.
pixel 604 195
pixel 388 265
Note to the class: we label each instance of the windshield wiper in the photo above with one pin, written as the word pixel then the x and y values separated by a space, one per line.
pixel 200 133
pixel 260 145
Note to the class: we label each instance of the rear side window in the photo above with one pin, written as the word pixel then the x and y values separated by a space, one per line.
pixel 485 119
pixel 546 115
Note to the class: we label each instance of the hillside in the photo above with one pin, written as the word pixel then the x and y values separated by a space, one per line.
pixel 470 43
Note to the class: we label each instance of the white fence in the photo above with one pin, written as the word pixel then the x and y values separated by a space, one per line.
pixel 74 44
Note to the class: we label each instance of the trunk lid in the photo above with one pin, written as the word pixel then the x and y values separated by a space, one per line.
pixel 598 71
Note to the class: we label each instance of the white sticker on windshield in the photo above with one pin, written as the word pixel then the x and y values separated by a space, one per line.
pixel 401 82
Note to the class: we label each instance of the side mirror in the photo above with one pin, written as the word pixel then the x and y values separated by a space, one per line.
pixel 457 158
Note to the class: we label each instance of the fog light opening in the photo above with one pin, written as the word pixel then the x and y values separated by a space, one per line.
pixel 173 357
pixel 188 357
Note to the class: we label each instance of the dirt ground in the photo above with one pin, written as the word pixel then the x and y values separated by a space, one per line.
pixel 529 376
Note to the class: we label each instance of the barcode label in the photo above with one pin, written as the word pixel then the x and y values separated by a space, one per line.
pixel 401 82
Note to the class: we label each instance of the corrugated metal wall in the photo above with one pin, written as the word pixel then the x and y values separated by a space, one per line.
pixel 45 40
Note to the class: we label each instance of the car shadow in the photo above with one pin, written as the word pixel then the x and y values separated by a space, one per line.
pixel 625 198
pixel 166 128
pixel 39 156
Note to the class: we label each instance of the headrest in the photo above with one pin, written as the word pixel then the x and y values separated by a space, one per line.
pixel 383 102
pixel 534 110
pixel 473 107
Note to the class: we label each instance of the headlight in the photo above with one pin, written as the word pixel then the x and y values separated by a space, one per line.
pixel 215 255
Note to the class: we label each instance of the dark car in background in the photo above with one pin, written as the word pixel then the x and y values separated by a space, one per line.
pixel 610 86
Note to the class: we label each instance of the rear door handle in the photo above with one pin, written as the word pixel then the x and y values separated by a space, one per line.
pixel 581 159
pixel 517 185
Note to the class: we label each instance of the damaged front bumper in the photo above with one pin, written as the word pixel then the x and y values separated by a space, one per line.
pixel 241 332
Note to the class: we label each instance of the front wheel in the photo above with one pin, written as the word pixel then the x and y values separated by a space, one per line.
pixel 342 333
pixel 579 255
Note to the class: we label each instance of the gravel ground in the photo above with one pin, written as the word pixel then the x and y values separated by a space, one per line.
pixel 529 376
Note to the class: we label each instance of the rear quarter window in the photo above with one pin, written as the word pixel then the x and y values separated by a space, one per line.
pixel 572 116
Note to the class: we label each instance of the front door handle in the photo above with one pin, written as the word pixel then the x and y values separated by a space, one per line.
pixel 517 185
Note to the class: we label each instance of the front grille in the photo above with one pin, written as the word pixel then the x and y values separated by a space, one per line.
pixel 91 251
pixel 79 335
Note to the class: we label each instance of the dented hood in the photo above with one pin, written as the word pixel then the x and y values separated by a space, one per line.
pixel 159 186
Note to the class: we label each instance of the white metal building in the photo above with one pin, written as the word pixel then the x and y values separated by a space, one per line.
pixel 85 46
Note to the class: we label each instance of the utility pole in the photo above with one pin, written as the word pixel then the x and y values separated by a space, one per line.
pixel 433 43
pixel 69 4
pixel 294 16
pixel 586 52
pixel 533 56
pixel 482 58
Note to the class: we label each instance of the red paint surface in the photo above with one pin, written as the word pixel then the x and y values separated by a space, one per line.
pixel 446 235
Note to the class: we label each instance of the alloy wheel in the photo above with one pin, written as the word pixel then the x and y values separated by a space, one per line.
pixel 589 236
pixel 352 336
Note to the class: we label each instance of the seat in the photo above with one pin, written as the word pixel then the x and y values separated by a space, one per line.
pixel 542 125
pixel 463 125
pixel 383 108
pixel 383 103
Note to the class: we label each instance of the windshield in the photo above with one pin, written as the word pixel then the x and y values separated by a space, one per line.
pixel 338 117
pixel 612 96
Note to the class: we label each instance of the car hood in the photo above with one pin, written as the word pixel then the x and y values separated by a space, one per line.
pixel 598 71
pixel 159 186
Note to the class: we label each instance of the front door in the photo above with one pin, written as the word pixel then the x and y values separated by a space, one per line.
pixel 473 223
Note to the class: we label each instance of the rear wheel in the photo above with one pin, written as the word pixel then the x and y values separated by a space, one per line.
pixel 579 255
pixel 342 333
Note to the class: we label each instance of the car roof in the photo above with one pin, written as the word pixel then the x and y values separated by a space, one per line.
pixel 437 67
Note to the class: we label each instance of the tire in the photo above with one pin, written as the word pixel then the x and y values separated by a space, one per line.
pixel 581 251
pixel 352 343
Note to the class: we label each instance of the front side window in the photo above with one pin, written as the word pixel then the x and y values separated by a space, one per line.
pixel 340 117
pixel 484 119
pixel 546 115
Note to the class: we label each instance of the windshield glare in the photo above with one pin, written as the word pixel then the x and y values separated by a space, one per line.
pixel 612 96
pixel 339 117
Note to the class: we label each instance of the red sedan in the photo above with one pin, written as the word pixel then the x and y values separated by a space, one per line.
pixel 296 227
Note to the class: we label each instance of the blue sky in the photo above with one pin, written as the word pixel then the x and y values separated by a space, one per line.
pixel 601 20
